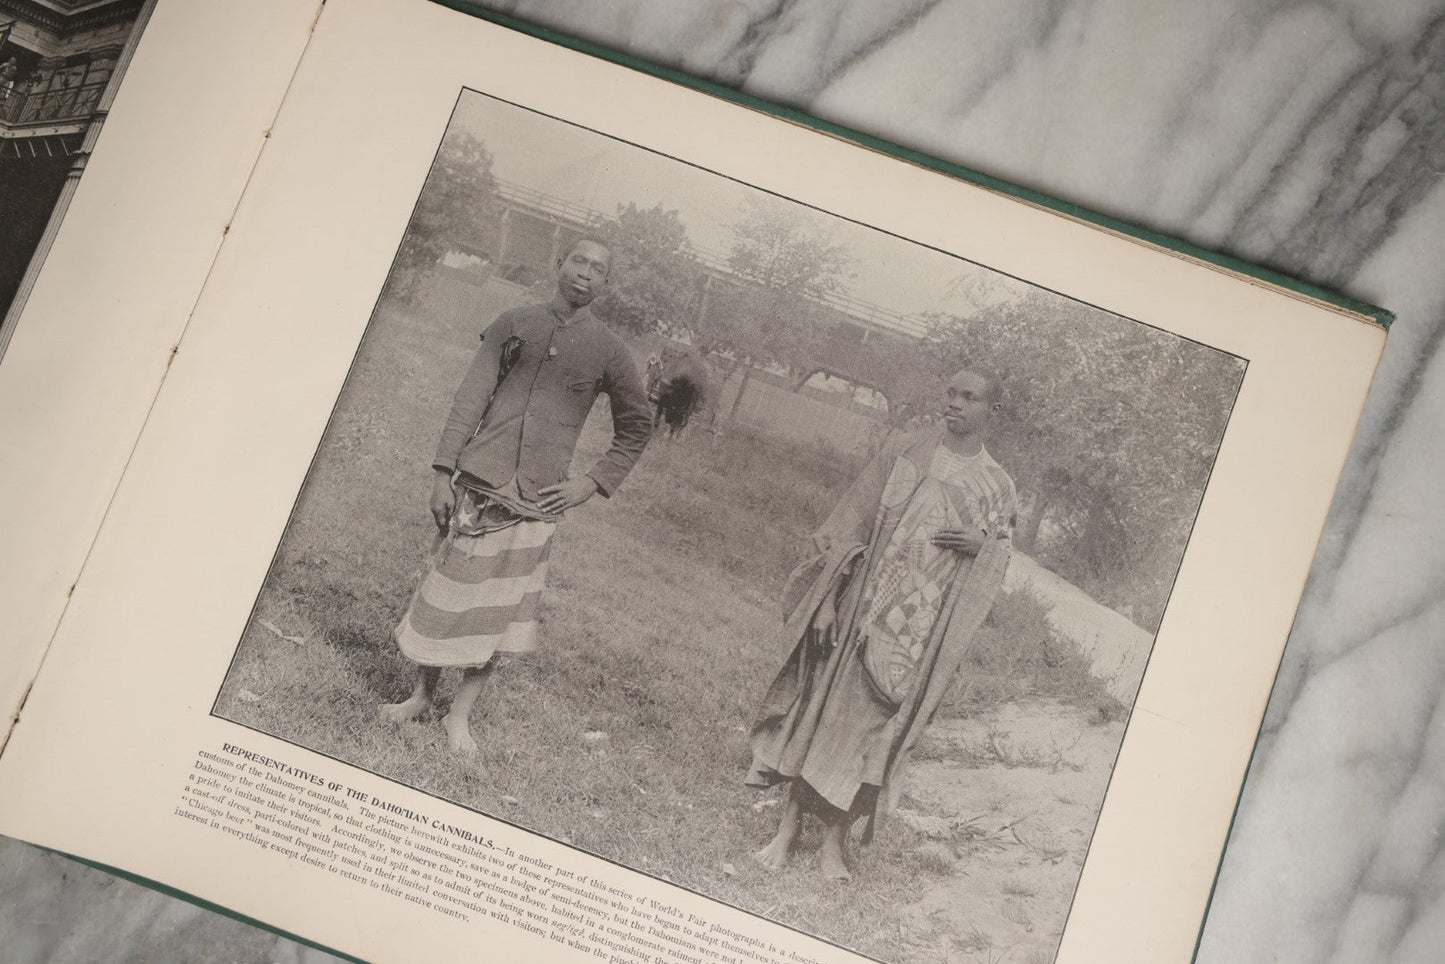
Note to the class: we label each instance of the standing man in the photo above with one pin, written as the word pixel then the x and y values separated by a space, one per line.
pixel 503 482
pixel 908 566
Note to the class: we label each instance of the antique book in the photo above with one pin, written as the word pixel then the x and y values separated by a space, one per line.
pixel 914 593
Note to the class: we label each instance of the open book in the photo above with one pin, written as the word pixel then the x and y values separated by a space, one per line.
pixel 928 533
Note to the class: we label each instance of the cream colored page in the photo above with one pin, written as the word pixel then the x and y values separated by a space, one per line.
pixel 149 634
pixel 118 287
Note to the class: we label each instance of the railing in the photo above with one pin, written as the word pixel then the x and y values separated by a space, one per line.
pixel 578 215
pixel 47 106
pixel 712 259
pixel 855 308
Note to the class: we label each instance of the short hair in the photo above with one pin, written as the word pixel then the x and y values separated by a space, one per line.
pixel 588 239
pixel 995 384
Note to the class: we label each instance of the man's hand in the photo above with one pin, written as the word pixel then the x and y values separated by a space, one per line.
pixel 443 499
pixel 568 494
pixel 966 541
pixel 825 623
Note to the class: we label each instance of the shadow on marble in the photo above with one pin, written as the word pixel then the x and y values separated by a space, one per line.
pixel 56 911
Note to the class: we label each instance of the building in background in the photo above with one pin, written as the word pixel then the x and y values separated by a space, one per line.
pixel 60 62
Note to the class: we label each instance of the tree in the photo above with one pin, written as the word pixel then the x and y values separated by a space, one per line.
pixel 457 210
pixel 776 249
pixel 1110 431
pixel 655 277
pixel 772 313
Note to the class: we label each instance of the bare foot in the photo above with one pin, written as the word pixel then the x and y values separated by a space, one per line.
pixel 406 711
pixel 776 853
pixel 830 859
pixel 459 735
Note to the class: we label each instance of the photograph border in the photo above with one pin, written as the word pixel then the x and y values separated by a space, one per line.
pixel 951 171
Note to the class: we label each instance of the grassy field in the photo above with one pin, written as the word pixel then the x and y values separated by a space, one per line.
pixel 659 634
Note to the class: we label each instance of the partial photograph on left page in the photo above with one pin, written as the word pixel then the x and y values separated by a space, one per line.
pixel 60 64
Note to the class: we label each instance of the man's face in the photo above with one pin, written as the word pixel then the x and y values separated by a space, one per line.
pixel 583 272
pixel 971 404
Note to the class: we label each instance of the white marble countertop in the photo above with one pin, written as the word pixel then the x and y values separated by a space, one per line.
pixel 1309 137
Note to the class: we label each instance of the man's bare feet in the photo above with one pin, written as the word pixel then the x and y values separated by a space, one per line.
pixel 833 854
pixel 831 862
pixel 456 722
pixel 777 851
pixel 418 702
pixel 459 734
pixel 775 855
pixel 406 711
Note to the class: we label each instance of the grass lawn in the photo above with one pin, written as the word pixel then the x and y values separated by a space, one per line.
pixel 659 633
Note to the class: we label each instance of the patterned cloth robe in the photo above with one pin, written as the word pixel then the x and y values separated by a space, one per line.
pixel 844 719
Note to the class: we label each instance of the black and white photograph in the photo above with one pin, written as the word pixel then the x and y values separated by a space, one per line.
pixel 752 548
pixel 60 64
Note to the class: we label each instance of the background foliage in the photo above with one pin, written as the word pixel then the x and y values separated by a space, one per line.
pixel 1109 426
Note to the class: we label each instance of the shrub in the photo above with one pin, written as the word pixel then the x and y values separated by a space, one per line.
pixel 1018 654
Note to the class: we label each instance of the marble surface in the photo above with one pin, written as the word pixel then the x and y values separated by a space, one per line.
pixel 1309 136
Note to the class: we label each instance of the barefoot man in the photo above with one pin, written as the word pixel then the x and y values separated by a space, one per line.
pixel 502 483
pixel 908 566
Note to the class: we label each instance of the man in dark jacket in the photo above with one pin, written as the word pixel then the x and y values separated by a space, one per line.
pixel 503 481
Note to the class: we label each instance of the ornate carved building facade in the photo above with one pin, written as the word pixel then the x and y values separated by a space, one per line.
pixel 60 61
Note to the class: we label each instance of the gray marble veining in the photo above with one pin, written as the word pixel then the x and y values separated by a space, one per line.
pixel 1309 136
pixel 1306 136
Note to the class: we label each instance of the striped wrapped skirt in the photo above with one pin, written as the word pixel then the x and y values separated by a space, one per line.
pixel 479 595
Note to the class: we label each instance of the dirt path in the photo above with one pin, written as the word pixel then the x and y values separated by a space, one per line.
pixel 1008 802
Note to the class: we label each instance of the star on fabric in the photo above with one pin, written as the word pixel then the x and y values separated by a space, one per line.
pixel 465 514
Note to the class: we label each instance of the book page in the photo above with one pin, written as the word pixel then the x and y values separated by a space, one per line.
pixel 117 289
pixel 1059 491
